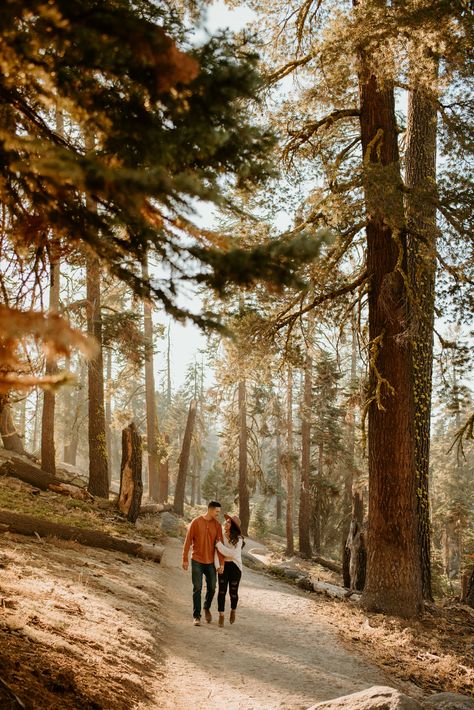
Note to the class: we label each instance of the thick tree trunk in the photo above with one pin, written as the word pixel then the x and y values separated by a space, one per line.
pixel 178 504
pixel 163 475
pixel 393 564
pixel 131 484
pixel 48 450
pixel 420 178
pixel 305 498
pixel 244 506
pixel 151 412
pixel 28 525
pixel 290 545
pixel 10 437
pixel 98 467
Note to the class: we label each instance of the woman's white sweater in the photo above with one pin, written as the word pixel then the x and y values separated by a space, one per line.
pixel 232 553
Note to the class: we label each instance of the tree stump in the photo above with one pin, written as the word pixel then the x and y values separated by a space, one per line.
pixel 467 594
pixel 131 484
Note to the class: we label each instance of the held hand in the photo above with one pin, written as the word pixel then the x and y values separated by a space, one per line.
pixel 220 569
pixel 185 566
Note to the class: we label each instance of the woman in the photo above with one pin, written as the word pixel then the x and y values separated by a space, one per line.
pixel 231 549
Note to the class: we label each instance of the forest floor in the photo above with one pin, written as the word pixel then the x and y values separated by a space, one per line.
pixel 89 629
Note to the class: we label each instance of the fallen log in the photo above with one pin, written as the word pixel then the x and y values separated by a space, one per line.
pixel 154 508
pixel 29 525
pixel 329 564
pixel 35 476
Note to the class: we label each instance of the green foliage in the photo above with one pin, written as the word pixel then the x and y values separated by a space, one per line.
pixel 150 124
pixel 217 486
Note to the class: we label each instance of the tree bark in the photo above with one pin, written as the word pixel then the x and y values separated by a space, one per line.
pixel 151 412
pixel 420 178
pixel 290 545
pixel 108 412
pixel 70 448
pixel 178 504
pixel 278 509
pixel 131 485
pixel 48 450
pixel 29 525
pixel 98 466
pixel 12 441
pixel 348 495
pixel 163 475
pixel 244 505
pixel 305 499
pixel 393 563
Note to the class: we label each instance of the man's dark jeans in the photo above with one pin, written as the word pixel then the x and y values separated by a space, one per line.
pixel 198 569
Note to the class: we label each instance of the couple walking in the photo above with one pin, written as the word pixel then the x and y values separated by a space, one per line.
pixel 213 550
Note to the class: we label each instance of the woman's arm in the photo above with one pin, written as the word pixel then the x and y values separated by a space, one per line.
pixel 229 551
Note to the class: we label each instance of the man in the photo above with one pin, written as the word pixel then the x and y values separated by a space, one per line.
pixel 203 533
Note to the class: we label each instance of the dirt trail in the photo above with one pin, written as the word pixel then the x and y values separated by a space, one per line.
pixel 280 653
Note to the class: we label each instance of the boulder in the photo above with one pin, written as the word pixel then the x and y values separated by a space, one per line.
pixel 378 697
pixel 449 701
pixel 169 523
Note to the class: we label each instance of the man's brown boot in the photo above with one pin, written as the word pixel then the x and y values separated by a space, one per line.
pixel 221 619
pixel 208 615
pixel 232 616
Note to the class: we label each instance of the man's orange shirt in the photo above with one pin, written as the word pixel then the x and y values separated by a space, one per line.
pixel 202 535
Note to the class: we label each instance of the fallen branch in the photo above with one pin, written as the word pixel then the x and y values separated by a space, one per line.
pixel 15 697
pixel 29 525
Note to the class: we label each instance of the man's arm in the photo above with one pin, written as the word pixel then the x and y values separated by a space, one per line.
pixel 220 538
pixel 187 544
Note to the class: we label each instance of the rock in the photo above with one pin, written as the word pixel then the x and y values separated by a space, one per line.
pixel 449 701
pixel 378 697
pixel 169 523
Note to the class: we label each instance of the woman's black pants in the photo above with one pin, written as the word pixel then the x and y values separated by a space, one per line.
pixel 229 578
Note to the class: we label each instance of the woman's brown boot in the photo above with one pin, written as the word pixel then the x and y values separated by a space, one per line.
pixel 232 616
pixel 221 619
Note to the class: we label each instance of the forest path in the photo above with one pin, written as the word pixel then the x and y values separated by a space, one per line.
pixel 280 653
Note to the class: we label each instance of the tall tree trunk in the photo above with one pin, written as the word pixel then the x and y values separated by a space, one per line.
pixel 244 506
pixel 35 422
pixel 420 178
pixel 98 465
pixel 72 443
pixel 348 495
pixel 48 450
pixel 108 411
pixel 98 468
pixel 23 419
pixel 304 517
pixel 169 391
pixel 290 545
pixel 11 439
pixel 316 517
pixel 163 475
pixel 178 505
pixel 393 564
pixel 278 510
pixel 151 415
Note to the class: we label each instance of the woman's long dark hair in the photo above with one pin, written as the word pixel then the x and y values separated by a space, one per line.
pixel 234 534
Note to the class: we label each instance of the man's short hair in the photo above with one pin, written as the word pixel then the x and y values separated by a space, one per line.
pixel 213 504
